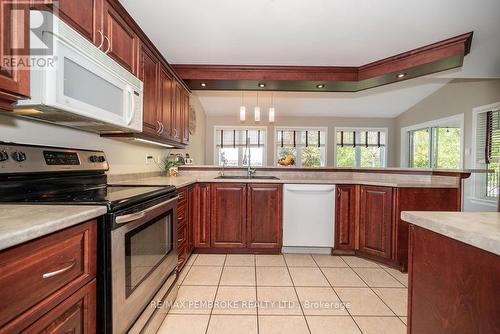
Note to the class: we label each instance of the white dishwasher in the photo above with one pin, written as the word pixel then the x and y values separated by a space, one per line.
pixel 308 218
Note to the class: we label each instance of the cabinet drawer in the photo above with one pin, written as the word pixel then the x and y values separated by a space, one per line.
pixel 182 193
pixel 61 262
pixel 76 314
pixel 182 234
pixel 181 214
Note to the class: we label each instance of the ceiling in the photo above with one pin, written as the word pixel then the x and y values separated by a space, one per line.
pixel 320 33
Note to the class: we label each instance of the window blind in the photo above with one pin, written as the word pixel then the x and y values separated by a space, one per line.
pixel 227 138
pixel 361 138
pixel 492 136
pixel 300 138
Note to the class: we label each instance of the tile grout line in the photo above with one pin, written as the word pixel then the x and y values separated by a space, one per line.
pixel 216 292
pixel 256 293
pixel 331 286
pixel 352 268
pixel 297 295
pixel 397 279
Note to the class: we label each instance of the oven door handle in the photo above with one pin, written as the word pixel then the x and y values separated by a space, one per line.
pixel 138 215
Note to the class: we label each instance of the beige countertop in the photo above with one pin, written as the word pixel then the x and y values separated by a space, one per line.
pixel 185 180
pixel 21 223
pixel 478 229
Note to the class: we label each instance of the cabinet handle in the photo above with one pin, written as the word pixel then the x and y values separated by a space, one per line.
pixel 60 271
pixel 175 133
pixel 109 44
pixel 159 127
pixel 102 39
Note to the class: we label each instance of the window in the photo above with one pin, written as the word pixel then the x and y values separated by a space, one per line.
pixel 487 154
pixel 234 145
pixel 435 147
pixel 300 147
pixel 360 147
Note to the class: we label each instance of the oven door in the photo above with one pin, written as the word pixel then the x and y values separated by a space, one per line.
pixel 143 256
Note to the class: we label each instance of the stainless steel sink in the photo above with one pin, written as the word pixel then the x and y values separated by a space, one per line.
pixel 244 177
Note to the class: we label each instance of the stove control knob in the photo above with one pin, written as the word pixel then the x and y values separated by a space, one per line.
pixel 4 156
pixel 101 158
pixel 19 156
pixel 94 158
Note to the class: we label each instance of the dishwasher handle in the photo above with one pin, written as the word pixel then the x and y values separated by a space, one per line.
pixel 298 188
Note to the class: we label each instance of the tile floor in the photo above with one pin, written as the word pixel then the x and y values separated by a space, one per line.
pixel 290 294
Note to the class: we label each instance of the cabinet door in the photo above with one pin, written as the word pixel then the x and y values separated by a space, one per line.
pixel 190 221
pixel 375 221
pixel 121 41
pixel 345 217
pixel 77 314
pixel 14 45
pixel 166 99
pixel 177 111
pixel 264 216
pixel 149 74
pixel 228 223
pixel 85 16
pixel 201 223
pixel 185 117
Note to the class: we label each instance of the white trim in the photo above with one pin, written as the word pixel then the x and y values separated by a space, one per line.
pixel 404 156
pixel 475 112
pixel 360 129
pixel 299 128
pixel 240 127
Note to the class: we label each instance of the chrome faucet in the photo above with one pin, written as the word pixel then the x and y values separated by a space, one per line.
pixel 224 162
pixel 250 171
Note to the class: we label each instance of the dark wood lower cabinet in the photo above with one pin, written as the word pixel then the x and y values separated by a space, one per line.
pixel 345 216
pixel 375 221
pixel 237 217
pixel 368 223
pixel 453 287
pixel 264 218
pixel 201 223
pixel 48 284
pixel 228 215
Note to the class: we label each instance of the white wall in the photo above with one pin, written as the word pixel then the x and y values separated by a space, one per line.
pixel 457 97
pixel 124 156
pixel 329 122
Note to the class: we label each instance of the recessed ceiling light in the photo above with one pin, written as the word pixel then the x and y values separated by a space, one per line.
pixel 262 85
pixel 203 84
pixel 401 75
pixel 320 86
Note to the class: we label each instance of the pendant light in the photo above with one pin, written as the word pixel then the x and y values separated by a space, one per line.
pixel 257 110
pixel 243 109
pixel 271 110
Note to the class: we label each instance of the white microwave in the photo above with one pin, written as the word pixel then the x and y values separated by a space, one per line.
pixel 76 84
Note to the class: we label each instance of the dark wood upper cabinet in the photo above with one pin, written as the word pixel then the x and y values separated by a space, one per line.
pixel 345 216
pixel 185 116
pixel 149 74
pixel 375 221
pixel 264 218
pixel 85 16
pixel 121 42
pixel 166 102
pixel 228 215
pixel 14 80
pixel 201 219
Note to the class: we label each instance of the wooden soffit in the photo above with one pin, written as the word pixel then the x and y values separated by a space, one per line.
pixel 436 57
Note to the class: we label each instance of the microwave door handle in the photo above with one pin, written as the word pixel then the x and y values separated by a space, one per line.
pixel 130 105
pixel 138 215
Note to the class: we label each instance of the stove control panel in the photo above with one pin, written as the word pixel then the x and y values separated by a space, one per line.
pixel 20 158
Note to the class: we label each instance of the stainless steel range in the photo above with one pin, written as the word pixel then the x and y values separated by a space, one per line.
pixel 137 255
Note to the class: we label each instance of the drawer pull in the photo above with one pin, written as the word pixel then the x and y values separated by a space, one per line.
pixel 60 271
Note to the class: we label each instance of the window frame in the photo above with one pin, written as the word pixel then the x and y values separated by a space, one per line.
pixel 299 128
pixel 357 153
pixel 441 122
pixel 474 196
pixel 240 127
